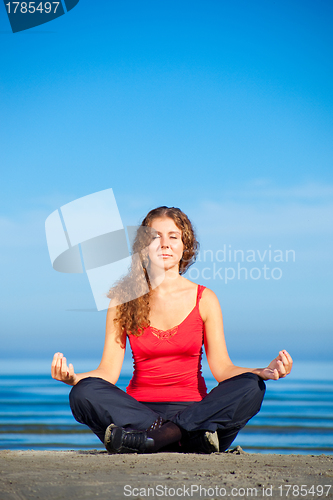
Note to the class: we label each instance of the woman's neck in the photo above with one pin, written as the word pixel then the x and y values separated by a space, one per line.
pixel 167 281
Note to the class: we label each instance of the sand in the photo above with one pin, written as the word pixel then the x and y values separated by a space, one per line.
pixel 55 475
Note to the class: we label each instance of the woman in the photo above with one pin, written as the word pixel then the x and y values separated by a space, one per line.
pixel 167 319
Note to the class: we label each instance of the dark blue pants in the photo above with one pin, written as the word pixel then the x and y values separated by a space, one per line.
pixel 226 409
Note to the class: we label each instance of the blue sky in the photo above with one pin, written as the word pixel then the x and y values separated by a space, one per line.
pixel 221 108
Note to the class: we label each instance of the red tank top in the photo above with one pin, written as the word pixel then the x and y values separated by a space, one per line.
pixel 167 364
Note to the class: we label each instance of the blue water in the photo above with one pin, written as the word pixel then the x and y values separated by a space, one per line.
pixel 296 416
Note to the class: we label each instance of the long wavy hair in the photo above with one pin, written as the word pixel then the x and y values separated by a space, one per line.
pixel 132 292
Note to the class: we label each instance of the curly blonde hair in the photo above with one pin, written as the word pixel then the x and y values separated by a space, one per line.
pixel 132 315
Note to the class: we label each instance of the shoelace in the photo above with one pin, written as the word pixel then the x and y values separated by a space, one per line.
pixel 134 440
pixel 156 425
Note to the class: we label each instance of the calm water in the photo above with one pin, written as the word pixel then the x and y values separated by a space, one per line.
pixel 296 416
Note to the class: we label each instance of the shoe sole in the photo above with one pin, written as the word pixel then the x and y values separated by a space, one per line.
pixel 113 440
pixel 109 439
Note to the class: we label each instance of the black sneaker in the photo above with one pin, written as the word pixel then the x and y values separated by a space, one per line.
pixel 119 440
pixel 201 442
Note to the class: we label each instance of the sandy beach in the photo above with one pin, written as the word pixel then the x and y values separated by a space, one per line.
pixel 56 475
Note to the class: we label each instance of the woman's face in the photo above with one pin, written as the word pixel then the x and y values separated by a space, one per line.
pixel 167 247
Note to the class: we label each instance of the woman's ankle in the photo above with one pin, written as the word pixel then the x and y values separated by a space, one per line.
pixel 165 435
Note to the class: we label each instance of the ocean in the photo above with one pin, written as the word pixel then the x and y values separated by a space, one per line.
pixel 296 416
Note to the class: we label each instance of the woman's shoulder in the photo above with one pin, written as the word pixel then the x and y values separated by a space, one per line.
pixel 208 294
pixel 209 302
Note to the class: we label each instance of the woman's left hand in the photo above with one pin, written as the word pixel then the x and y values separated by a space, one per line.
pixel 278 368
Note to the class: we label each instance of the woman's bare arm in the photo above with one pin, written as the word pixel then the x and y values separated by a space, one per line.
pixel 217 354
pixel 111 362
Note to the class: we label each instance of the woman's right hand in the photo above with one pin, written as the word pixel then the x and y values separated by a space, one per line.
pixel 60 370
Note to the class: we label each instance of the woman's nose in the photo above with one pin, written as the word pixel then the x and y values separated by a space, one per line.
pixel 164 242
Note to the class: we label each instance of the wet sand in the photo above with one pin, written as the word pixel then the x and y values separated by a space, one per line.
pixel 55 475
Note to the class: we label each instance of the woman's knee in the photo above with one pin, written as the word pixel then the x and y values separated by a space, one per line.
pixel 86 388
pixel 77 397
pixel 77 393
pixel 83 395
pixel 257 385
pixel 246 383
pixel 255 390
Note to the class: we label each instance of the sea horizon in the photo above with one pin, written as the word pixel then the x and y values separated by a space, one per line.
pixel 296 415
